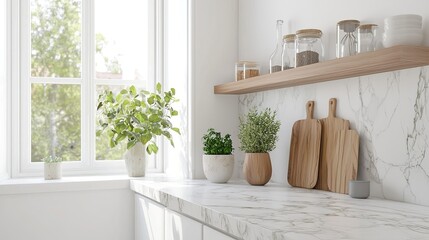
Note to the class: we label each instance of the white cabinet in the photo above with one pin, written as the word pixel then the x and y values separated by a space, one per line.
pixel 155 222
pixel 149 219
pixel 211 234
pixel 179 227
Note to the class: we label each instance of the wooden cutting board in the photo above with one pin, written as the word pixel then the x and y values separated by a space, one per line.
pixel 305 151
pixel 330 125
pixel 345 162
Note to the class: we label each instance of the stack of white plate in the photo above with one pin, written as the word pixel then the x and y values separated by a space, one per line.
pixel 403 30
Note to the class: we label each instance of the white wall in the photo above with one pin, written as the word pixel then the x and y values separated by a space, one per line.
pixel 389 110
pixel 83 215
pixel 3 172
pixel 215 39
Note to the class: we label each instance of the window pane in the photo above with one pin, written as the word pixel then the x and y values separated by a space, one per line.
pixel 55 121
pixel 103 150
pixel 56 38
pixel 122 31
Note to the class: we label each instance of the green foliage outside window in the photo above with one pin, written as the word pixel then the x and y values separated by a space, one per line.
pixel 56 33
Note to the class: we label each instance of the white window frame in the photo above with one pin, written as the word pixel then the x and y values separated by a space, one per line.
pixel 21 80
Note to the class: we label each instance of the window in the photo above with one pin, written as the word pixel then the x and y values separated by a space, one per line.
pixel 70 51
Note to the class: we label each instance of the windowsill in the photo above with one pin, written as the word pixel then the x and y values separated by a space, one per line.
pixel 66 184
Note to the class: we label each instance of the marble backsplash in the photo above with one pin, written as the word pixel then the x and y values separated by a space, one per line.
pixel 390 112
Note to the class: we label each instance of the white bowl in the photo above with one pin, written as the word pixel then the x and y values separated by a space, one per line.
pixel 403 25
pixel 404 31
pixel 412 39
pixel 403 18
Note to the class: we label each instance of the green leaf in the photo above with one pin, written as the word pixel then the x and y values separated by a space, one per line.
pixel 100 104
pixel 145 138
pixel 174 113
pixel 173 91
pixel 158 87
pixel 98 133
pixel 112 143
pixel 141 117
pixel 157 131
pixel 131 144
pixel 119 97
pixel 176 130
pixel 152 148
pixel 109 97
pixel 154 118
pixel 133 90
pixel 120 137
pixel 124 91
pixel 166 134
pixel 151 100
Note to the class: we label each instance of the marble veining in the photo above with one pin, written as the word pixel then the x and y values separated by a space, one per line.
pixel 284 213
pixel 389 110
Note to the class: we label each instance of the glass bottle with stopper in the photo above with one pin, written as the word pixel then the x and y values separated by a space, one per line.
pixel 276 56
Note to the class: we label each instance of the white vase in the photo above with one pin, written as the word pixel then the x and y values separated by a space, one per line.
pixel 53 171
pixel 218 168
pixel 135 160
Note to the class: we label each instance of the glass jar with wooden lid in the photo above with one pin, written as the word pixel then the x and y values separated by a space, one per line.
pixel 367 37
pixel 288 54
pixel 309 47
pixel 246 69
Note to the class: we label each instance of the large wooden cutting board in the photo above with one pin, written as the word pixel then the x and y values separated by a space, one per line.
pixel 345 162
pixel 305 151
pixel 330 125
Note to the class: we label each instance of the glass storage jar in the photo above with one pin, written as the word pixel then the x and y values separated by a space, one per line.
pixel 367 37
pixel 288 54
pixel 346 38
pixel 276 56
pixel 246 69
pixel 308 47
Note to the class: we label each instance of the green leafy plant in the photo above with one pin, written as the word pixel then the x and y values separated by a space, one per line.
pixel 215 144
pixel 52 159
pixel 258 131
pixel 137 116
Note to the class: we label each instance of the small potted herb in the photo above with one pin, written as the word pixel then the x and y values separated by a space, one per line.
pixel 218 161
pixel 258 136
pixel 52 165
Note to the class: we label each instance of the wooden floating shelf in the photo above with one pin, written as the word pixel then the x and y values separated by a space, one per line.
pixel 384 60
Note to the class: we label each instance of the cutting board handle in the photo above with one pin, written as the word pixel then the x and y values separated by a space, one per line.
pixel 310 109
pixel 332 107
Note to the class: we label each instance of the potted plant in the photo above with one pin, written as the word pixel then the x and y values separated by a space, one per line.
pixel 218 161
pixel 258 136
pixel 52 166
pixel 138 117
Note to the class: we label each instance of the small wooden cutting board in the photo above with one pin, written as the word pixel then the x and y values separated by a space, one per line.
pixel 345 162
pixel 330 125
pixel 305 151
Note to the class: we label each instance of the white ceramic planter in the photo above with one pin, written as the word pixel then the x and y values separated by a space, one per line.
pixel 53 171
pixel 218 168
pixel 135 160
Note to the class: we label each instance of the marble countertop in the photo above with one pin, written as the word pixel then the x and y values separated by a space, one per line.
pixel 280 212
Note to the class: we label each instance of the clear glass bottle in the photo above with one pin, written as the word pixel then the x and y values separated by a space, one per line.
pixel 309 47
pixel 367 37
pixel 347 38
pixel 276 56
pixel 288 53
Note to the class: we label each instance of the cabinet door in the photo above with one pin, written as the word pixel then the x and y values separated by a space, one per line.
pixel 149 219
pixel 211 234
pixel 179 227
